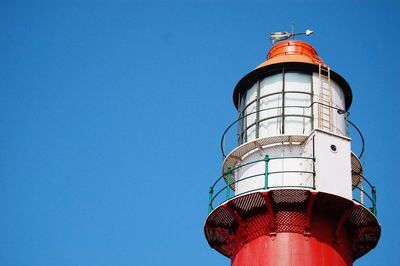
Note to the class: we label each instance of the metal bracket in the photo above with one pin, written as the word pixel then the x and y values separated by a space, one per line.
pixel 236 157
pixel 339 225
pixel 259 147
pixel 310 205
pixel 230 208
pixel 272 225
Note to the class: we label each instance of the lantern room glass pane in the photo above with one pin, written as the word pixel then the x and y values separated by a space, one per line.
pixel 295 81
pixel 251 94
pixel 251 112
pixel 271 115
pixel 271 101
pixel 297 125
pixel 297 103
pixel 271 84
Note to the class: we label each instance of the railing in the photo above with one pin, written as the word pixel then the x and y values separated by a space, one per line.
pixel 230 182
pixel 222 189
pixel 240 132
pixel 360 197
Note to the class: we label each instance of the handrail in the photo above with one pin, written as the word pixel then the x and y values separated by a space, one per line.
pixel 222 143
pixel 229 182
pixel 361 136
pixel 371 197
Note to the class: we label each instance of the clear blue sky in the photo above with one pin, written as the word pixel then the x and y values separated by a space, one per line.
pixel 112 111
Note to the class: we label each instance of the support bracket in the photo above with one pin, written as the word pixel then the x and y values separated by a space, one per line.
pixel 339 225
pixel 272 225
pixel 310 205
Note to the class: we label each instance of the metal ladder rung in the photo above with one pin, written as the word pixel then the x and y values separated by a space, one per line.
pixel 325 95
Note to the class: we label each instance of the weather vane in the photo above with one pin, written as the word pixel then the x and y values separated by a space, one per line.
pixel 278 36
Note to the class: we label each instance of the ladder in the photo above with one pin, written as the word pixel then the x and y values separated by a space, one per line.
pixel 325 112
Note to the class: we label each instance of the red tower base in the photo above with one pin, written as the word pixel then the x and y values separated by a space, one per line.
pixel 296 249
pixel 292 227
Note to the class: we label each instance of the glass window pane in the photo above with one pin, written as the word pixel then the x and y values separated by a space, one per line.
pixel 271 84
pixel 270 127
pixel 297 125
pixel 251 110
pixel 271 106
pixel 251 133
pixel 294 100
pixel 297 82
pixel 251 94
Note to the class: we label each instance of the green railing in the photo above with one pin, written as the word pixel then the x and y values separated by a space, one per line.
pixel 228 182
pixel 222 188
pixel 360 197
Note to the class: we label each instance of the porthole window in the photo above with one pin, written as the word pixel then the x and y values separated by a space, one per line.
pixel 333 148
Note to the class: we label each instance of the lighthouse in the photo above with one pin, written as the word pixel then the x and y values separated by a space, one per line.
pixel 292 191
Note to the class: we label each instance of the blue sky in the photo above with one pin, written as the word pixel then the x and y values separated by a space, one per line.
pixel 112 111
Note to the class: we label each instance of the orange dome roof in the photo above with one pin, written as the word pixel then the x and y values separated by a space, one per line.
pixel 292 51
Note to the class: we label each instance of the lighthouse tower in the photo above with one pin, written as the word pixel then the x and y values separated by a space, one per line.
pixel 292 192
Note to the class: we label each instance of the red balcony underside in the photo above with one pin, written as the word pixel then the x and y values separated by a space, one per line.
pixel 291 227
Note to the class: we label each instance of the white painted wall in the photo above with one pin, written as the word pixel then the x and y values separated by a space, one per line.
pixel 333 168
pixel 279 179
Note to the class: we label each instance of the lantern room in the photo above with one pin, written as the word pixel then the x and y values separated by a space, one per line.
pixel 293 92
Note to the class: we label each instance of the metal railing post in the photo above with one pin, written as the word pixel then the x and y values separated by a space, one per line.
pixel 266 160
pixel 228 181
pixel 375 212
pixel 210 196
